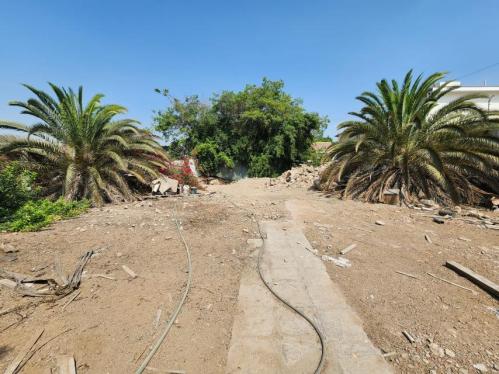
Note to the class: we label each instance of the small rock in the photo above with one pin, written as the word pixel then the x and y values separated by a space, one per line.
pixel 246 230
pixel 449 353
pixel 379 223
pixel 482 368
pixel 464 239
pixel 438 220
pixel 119 254
pixel 9 248
pixel 446 212
pixel 436 350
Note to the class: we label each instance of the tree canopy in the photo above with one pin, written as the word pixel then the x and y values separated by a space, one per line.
pixel 261 127
pixel 81 150
pixel 403 138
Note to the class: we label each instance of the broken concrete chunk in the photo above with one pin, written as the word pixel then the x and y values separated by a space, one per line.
pixel 163 185
pixel 341 262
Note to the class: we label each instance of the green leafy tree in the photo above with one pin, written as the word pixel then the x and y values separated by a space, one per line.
pixel 81 150
pixel 261 127
pixel 402 138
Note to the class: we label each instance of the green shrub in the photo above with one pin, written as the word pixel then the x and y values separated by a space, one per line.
pixel 16 188
pixel 35 214
pixel 210 159
pixel 260 167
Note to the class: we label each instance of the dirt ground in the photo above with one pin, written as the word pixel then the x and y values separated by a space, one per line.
pixel 112 322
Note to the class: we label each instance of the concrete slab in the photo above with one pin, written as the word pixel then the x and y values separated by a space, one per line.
pixel 268 337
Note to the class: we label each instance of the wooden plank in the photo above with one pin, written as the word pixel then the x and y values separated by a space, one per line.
pixel 348 249
pixel 8 283
pixel 24 352
pixel 479 280
pixel 66 365
pixel 406 274
pixel 449 282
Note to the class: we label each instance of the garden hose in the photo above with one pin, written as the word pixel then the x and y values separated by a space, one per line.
pixel 173 318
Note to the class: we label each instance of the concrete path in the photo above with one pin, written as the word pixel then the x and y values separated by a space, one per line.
pixel 268 337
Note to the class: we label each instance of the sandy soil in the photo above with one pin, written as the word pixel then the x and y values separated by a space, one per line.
pixel 112 321
pixel 462 326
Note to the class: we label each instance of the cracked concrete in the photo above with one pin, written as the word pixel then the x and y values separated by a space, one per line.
pixel 268 337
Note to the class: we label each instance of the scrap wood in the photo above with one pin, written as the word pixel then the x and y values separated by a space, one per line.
pixel 60 273
pixel 409 337
pixel 71 300
pixel 66 365
pixel 8 283
pixel 31 354
pixel 53 288
pixel 406 274
pixel 102 276
pixel 479 280
pixel 348 249
pixel 14 365
pixel 454 284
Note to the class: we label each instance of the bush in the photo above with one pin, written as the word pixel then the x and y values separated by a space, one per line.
pixel 210 159
pixel 260 167
pixel 35 214
pixel 16 188
pixel 182 173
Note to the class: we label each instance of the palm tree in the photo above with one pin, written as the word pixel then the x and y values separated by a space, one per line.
pixel 403 139
pixel 80 150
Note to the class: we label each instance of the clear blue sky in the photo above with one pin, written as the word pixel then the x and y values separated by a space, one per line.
pixel 326 51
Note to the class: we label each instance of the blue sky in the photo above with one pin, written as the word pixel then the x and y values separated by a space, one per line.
pixel 327 52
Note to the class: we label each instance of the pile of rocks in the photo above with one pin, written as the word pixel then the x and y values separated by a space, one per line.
pixel 300 176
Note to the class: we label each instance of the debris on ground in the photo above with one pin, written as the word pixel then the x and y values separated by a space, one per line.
pixel 15 365
pixel 341 262
pixel 129 271
pixel 299 176
pixel 479 280
pixel 163 185
pixel 25 285
pixel 348 249
pixel 66 365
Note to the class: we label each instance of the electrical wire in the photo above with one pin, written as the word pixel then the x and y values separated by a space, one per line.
pixel 165 332
pixel 478 71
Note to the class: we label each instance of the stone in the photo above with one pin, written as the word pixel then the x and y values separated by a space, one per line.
pixel 9 248
pixel 379 223
pixel 436 350
pixel 438 220
pixel 446 212
pixel 482 368
pixel 449 353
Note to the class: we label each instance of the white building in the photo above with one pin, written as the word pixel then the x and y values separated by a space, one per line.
pixel 491 102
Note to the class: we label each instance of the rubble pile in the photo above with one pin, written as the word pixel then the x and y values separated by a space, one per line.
pixel 300 176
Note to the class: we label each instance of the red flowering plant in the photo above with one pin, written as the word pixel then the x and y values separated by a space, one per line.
pixel 181 171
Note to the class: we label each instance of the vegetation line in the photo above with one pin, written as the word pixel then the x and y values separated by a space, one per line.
pixel 165 332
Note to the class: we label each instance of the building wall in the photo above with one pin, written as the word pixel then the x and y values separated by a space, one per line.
pixel 491 103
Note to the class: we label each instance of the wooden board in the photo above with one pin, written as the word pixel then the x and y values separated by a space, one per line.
pixel 480 281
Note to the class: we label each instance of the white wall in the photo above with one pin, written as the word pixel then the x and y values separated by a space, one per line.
pixel 491 103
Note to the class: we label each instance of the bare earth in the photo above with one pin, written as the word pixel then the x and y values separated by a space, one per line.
pixel 112 322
